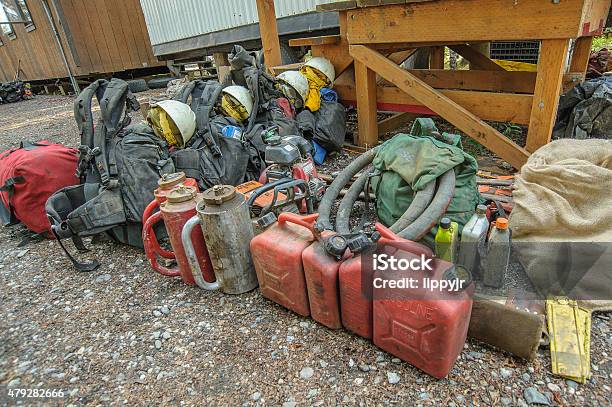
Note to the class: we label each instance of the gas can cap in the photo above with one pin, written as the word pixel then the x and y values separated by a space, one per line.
pixel 181 194
pixel 218 194
pixel 167 181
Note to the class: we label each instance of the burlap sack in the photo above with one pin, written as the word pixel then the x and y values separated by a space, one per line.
pixel 562 220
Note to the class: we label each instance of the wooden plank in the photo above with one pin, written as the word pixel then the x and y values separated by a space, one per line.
pixel 491 322
pixel 499 107
pixel 309 41
pixel 222 64
pixel 289 67
pixel 546 97
pixel 269 32
pixel 436 57
pixel 594 15
pixel 457 115
pixel 476 59
pixel 466 20
pixel 337 53
pixel 365 90
pixel 395 121
pixel 580 55
pixel 337 6
pixel 502 81
pixel 110 33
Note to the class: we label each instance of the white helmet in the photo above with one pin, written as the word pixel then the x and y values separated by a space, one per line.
pixel 324 66
pixel 297 81
pixel 242 95
pixel 183 117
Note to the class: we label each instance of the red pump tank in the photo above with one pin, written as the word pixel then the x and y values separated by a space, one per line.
pixel 426 327
pixel 277 257
pixel 179 207
pixel 356 309
pixel 321 273
pixel 166 184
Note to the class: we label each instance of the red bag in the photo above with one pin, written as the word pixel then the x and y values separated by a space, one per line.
pixel 29 175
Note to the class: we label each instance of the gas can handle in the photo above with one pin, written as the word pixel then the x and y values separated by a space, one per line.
pixel 151 246
pixel 305 221
pixel 391 239
pixel 194 265
pixel 160 251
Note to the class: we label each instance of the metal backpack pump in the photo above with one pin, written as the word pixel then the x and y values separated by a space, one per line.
pixel 224 217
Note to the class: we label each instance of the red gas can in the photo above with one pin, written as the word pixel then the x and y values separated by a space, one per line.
pixel 179 207
pixel 356 308
pixel 321 273
pixel 427 326
pixel 277 257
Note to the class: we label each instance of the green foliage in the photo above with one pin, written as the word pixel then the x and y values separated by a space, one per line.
pixel 603 41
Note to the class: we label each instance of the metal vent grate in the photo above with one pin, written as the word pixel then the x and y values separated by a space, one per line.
pixel 520 51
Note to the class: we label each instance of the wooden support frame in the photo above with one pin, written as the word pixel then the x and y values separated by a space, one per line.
pixel 433 99
pixel 269 32
pixel 365 90
pixel 436 57
pixel 551 66
pixel 397 120
pixel 475 58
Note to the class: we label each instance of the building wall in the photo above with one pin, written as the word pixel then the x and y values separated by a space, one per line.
pixel 99 36
pixel 199 17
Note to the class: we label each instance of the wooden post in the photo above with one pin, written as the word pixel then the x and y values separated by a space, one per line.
pixel 365 90
pixel 269 32
pixel 222 64
pixel 580 55
pixel 546 96
pixel 436 57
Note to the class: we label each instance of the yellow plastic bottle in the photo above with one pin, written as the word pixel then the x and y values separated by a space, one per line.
pixel 446 240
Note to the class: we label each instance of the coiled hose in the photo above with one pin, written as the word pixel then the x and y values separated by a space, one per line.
pixel 444 195
pixel 339 182
pixel 422 214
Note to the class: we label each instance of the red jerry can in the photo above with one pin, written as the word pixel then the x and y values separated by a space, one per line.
pixel 427 327
pixel 355 306
pixel 321 273
pixel 179 207
pixel 166 184
pixel 277 257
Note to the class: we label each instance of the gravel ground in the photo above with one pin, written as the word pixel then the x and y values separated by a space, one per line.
pixel 126 335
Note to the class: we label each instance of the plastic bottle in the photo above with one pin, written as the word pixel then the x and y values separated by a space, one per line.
pixel 473 239
pixel 498 254
pixel 446 240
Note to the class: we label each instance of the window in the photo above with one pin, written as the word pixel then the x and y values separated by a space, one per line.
pixel 25 15
pixel 14 12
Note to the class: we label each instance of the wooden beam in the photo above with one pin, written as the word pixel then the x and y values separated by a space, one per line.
pixel 546 97
pixel 269 32
pixel 476 59
pixel 337 53
pixel 337 6
pixel 398 57
pixel 474 20
pixel 460 117
pixel 365 80
pixel 309 41
pixel 499 107
pixel 289 67
pixel 222 64
pixel 436 57
pixel 395 121
pixel 580 54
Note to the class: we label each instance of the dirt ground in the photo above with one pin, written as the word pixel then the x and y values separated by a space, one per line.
pixel 124 334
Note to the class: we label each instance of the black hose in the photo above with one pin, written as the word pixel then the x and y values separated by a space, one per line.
pixel 348 202
pixel 444 195
pixel 339 182
pixel 418 205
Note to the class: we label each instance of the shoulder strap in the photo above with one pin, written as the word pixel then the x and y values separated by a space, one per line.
pixel 206 103
pixel 117 99
pixel 82 110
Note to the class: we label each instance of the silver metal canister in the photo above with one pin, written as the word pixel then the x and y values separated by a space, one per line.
pixel 226 224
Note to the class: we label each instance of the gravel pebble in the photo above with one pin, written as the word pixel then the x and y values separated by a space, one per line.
pixel 533 396
pixel 393 378
pixel 306 373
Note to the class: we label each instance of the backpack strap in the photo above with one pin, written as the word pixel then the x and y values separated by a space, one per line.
pixel 84 120
pixel 206 103
pixel 117 99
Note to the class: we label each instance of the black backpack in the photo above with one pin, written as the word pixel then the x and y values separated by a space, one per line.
pixel 119 165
